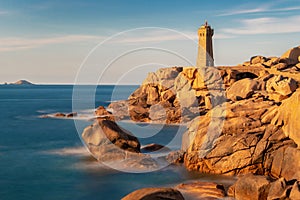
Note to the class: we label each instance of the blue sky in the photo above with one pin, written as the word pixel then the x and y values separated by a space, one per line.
pixel 47 41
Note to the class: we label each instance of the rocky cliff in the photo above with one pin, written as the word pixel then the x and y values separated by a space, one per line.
pixel 241 119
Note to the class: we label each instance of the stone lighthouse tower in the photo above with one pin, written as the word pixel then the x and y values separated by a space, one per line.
pixel 205 48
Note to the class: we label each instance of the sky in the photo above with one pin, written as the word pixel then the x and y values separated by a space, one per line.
pixel 88 41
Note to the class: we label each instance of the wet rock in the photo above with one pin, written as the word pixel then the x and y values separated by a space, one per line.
pixel 59 115
pixel 201 190
pixel 44 116
pixel 102 114
pixel 154 193
pixel 154 147
pixel 175 157
pixel 72 114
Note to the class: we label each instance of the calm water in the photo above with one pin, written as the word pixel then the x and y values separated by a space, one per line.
pixel 45 159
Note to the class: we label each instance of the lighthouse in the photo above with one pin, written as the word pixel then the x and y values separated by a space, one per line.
pixel 205 47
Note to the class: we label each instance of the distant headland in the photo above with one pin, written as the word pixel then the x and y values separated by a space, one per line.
pixel 19 82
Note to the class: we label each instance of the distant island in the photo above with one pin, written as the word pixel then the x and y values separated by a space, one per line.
pixel 20 82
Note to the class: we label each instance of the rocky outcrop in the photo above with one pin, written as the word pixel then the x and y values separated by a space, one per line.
pixel 292 55
pixel 250 187
pixel 179 94
pixel 201 190
pixel 278 189
pixel 257 59
pixel 255 132
pixel 154 193
pixel 242 89
pixel 288 62
pixel 116 147
pixel 295 191
pixel 119 109
pixel 283 86
pixel 249 141
pixel 190 190
pixel 154 147
pixel 252 139
pixel 172 95
pixel 108 132
pixel 62 115
pixel 241 119
pixel 261 188
pixel 21 82
pixel 101 113
pixel 288 116
pixel 59 115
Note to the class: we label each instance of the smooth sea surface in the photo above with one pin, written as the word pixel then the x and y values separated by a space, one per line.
pixel 44 158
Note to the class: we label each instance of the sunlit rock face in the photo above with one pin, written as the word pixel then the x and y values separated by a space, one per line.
pixel 259 130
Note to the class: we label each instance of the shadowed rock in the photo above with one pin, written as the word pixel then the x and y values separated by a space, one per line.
pixel 59 115
pixel 154 147
pixel 116 147
pixel 154 194
pixel 108 132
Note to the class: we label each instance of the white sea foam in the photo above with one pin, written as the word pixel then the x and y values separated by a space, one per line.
pixel 80 116
pixel 45 111
pixel 72 151
pixel 91 166
pixel 86 114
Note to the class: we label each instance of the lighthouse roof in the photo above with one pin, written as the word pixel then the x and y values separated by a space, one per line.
pixel 205 25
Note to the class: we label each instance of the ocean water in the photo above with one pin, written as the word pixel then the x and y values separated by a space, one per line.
pixel 44 158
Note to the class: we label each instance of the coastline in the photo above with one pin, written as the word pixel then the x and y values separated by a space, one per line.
pixel 250 115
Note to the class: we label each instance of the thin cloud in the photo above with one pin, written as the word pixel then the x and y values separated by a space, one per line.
pixel 163 36
pixel 266 26
pixel 259 10
pixel 243 11
pixel 155 36
pixel 223 36
pixel 14 44
pixel 4 12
